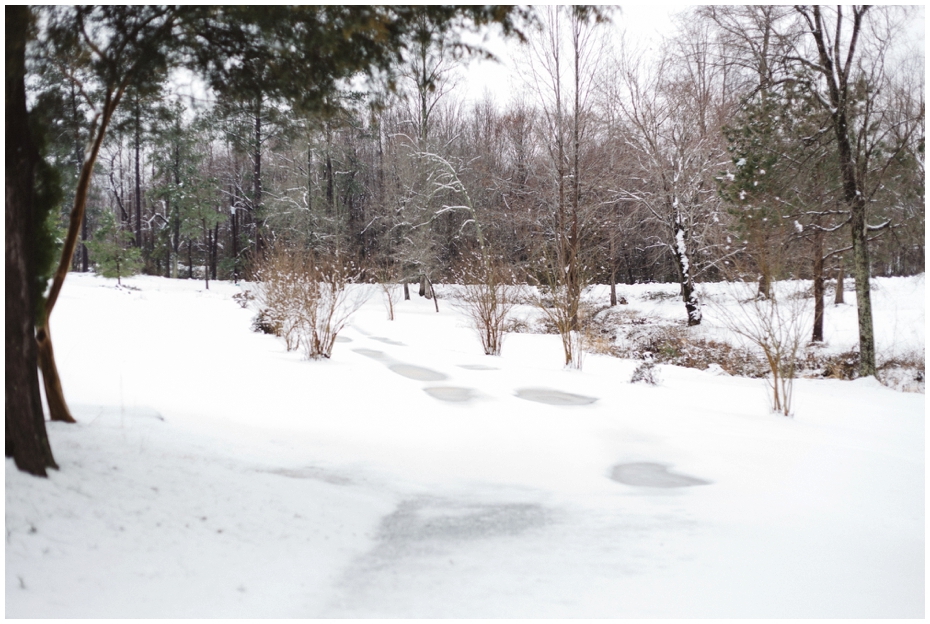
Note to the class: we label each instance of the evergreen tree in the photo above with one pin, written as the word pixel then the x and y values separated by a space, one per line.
pixel 112 251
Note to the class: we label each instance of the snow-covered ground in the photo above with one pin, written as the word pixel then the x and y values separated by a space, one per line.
pixel 213 474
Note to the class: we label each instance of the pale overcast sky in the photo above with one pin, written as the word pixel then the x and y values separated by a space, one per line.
pixel 644 24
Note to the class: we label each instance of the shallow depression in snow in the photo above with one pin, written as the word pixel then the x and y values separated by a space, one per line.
pixel 453 394
pixel 554 397
pixel 650 474
pixel 389 341
pixel 417 372
pixel 373 354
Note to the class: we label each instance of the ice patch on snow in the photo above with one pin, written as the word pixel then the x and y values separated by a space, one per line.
pixel 478 367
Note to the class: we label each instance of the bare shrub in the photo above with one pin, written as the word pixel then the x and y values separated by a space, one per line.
pixel 306 298
pixel 390 289
pixel 488 295
pixel 646 373
pixel 562 312
pixel 283 287
pixel 558 296
pixel 776 325
pixel 264 324
pixel 244 298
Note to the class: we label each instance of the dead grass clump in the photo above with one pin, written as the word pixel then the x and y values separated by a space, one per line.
pixel 905 373
pixel 830 365
pixel 671 344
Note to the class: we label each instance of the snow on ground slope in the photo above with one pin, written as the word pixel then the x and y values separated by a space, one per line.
pixel 213 474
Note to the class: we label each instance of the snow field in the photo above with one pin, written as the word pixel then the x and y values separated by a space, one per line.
pixel 213 474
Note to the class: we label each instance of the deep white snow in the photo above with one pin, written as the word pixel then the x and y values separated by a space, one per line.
pixel 213 474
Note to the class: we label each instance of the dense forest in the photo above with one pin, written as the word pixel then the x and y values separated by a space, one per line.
pixel 716 151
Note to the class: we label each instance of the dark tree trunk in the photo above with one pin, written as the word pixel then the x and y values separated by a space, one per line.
pixel 406 291
pixel 78 161
pixel 838 295
pixel 431 294
pixel 765 285
pixel 176 215
pixel 234 227
pixel 683 262
pixel 26 437
pixel 138 149
pixel 613 274
pixel 330 194
pixel 214 252
pixel 206 254
pixel 57 406
pixel 257 182
pixel 84 263
pixel 817 335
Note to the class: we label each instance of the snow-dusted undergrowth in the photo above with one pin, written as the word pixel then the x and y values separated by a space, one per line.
pixel 214 474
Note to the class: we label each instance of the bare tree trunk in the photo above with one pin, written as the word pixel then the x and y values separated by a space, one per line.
pixel 206 254
pixel 431 294
pixel 234 230
pixel 78 159
pixel 837 77
pixel 817 335
pixel 176 216
pixel 406 291
pixel 138 149
pixel 26 436
pixel 214 251
pixel 683 262
pixel 613 274
pixel 257 181
pixel 838 296
pixel 58 408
